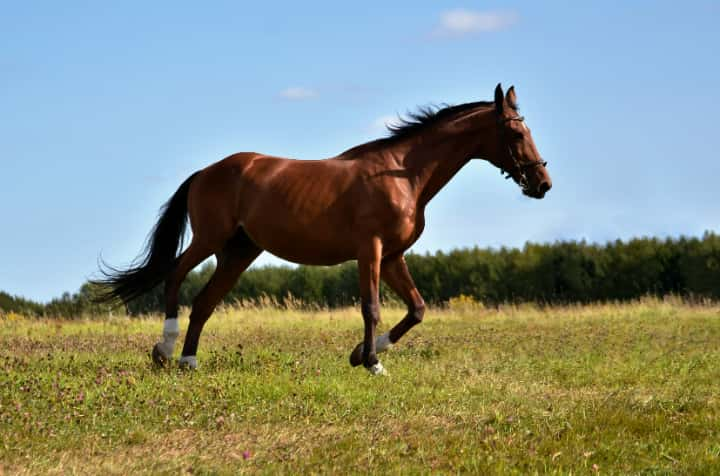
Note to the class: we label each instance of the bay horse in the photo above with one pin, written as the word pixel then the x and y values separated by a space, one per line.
pixel 366 204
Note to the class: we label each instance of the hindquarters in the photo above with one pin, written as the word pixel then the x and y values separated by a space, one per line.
pixel 209 198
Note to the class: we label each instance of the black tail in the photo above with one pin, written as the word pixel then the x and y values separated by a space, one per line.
pixel 157 258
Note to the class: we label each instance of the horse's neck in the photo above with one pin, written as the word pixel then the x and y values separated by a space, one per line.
pixel 437 157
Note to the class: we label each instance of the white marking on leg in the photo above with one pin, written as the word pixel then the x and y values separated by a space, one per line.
pixel 171 331
pixel 188 361
pixel 382 343
pixel 377 369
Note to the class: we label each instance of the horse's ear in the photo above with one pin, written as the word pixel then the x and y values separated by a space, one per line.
pixel 511 98
pixel 499 99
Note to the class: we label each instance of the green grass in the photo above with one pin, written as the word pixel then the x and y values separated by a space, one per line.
pixel 611 389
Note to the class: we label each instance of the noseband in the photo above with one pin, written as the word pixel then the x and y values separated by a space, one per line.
pixel 517 166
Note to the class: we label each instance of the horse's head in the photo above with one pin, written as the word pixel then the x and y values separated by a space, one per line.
pixel 515 153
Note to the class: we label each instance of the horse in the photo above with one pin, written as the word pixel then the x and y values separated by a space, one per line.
pixel 366 204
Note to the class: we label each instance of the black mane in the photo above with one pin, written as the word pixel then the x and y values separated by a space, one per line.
pixel 428 115
pixel 415 122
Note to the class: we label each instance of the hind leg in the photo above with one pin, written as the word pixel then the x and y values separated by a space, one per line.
pixel 193 256
pixel 234 258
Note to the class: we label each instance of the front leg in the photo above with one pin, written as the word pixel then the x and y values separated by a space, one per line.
pixel 396 275
pixel 369 270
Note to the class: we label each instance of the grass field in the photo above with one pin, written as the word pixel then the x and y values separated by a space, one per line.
pixel 611 389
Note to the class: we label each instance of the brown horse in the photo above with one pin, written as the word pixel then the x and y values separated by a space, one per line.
pixel 367 204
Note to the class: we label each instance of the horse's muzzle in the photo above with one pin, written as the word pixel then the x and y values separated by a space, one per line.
pixel 542 188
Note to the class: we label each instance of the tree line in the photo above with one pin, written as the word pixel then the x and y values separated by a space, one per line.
pixel 561 272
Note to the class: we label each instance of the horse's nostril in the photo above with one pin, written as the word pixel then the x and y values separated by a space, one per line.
pixel 544 187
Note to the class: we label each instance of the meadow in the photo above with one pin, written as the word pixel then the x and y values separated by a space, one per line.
pixel 597 389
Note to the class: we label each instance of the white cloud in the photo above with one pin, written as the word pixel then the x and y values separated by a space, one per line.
pixel 298 93
pixel 461 22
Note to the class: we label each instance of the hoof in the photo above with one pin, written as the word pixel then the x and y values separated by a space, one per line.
pixel 158 357
pixel 356 355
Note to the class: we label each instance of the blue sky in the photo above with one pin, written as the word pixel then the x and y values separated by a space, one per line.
pixel 107 107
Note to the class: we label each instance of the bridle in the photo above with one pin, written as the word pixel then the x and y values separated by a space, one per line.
pixel 517 166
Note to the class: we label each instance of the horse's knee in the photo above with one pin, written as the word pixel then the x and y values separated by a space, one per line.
pixel 417 312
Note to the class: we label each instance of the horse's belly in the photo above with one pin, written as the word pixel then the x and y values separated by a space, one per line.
pixel 301 246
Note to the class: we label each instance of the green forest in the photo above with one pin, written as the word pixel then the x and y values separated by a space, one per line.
pixel 554 273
